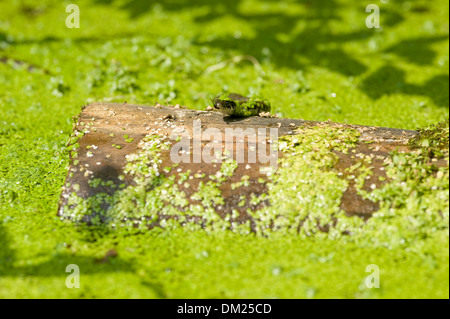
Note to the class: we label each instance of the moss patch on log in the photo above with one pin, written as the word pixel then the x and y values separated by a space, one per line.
pixel 306 190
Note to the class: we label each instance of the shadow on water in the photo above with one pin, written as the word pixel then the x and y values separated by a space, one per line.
pixel 3 37
pixel 7 255
pixel 301 50
pixel 268 27
pixel 315 44
pixel 393 81
pixel 417 50
pixel 56 265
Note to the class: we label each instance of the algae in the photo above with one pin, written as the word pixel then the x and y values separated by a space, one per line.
pixel 396 76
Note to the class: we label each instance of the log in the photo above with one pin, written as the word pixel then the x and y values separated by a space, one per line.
pixel 107 135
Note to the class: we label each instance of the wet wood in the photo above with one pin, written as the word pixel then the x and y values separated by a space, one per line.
pixel 103 147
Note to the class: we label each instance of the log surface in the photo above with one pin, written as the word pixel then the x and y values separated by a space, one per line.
pixel 102 150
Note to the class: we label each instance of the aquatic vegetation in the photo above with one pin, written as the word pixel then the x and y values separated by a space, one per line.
pixel 305 192
pixel 432 141
pixel 157 52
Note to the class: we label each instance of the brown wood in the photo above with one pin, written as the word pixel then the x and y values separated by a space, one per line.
pixel 101 120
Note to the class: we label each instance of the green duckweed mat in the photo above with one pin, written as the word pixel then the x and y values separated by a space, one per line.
pixel 313 60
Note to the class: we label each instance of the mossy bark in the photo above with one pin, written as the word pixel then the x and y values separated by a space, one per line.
pixel 122 171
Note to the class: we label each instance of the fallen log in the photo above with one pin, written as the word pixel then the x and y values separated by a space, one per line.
pixel 156 166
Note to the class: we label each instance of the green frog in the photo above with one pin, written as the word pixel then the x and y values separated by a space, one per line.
pixel 236 105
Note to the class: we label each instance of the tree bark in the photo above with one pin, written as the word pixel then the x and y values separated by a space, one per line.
pixel 113 131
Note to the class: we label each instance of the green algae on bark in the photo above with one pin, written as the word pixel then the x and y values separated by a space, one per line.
pixel 153 199
pixel 414 196
pixel 305 192
pixel 304 195
pixel 414 203
pixel 433 140
pixel 153 194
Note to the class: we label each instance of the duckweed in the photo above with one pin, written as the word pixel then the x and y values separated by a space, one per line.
pixel 414 204
pixel 305 192
pixel 397 77
pixel 432 141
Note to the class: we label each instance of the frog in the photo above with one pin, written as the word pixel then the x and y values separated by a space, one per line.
pixel 237 105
